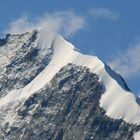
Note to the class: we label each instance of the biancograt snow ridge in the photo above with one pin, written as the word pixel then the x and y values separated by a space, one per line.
pixel 117 101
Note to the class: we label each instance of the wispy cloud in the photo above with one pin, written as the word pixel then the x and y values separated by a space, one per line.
pixel 103 13
pixel 66 23
pixel 127 62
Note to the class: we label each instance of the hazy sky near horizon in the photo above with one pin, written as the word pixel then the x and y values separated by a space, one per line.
pixel 106 28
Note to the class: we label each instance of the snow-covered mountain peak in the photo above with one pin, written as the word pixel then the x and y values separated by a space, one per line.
pixel 34 59
pixel 54 41
pixel 117 100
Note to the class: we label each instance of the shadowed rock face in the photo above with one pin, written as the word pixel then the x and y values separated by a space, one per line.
pixel 24 61
pixel 67 109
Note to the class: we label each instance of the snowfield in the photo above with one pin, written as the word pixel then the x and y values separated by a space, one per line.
pixel 137 136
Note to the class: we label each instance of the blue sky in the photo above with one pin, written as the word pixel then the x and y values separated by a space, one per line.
pixel 106 28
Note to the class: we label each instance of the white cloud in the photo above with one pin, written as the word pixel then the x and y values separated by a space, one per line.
pixel 127 62
pixel 66 23
pixel 103 13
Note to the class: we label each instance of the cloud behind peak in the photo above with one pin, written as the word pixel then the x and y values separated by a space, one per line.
pixel 65 23
pixel 127 62
pixel 103 13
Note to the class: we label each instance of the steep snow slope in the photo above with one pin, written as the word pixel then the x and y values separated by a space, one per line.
pixel 137 135
pixel 118 101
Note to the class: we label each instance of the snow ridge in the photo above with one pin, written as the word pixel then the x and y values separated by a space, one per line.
pixel 118 101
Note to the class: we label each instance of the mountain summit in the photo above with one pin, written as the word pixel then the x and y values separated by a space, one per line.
pixel 51 91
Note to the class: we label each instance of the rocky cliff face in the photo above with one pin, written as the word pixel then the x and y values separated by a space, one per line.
pixel 20 61
pixel 66 108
